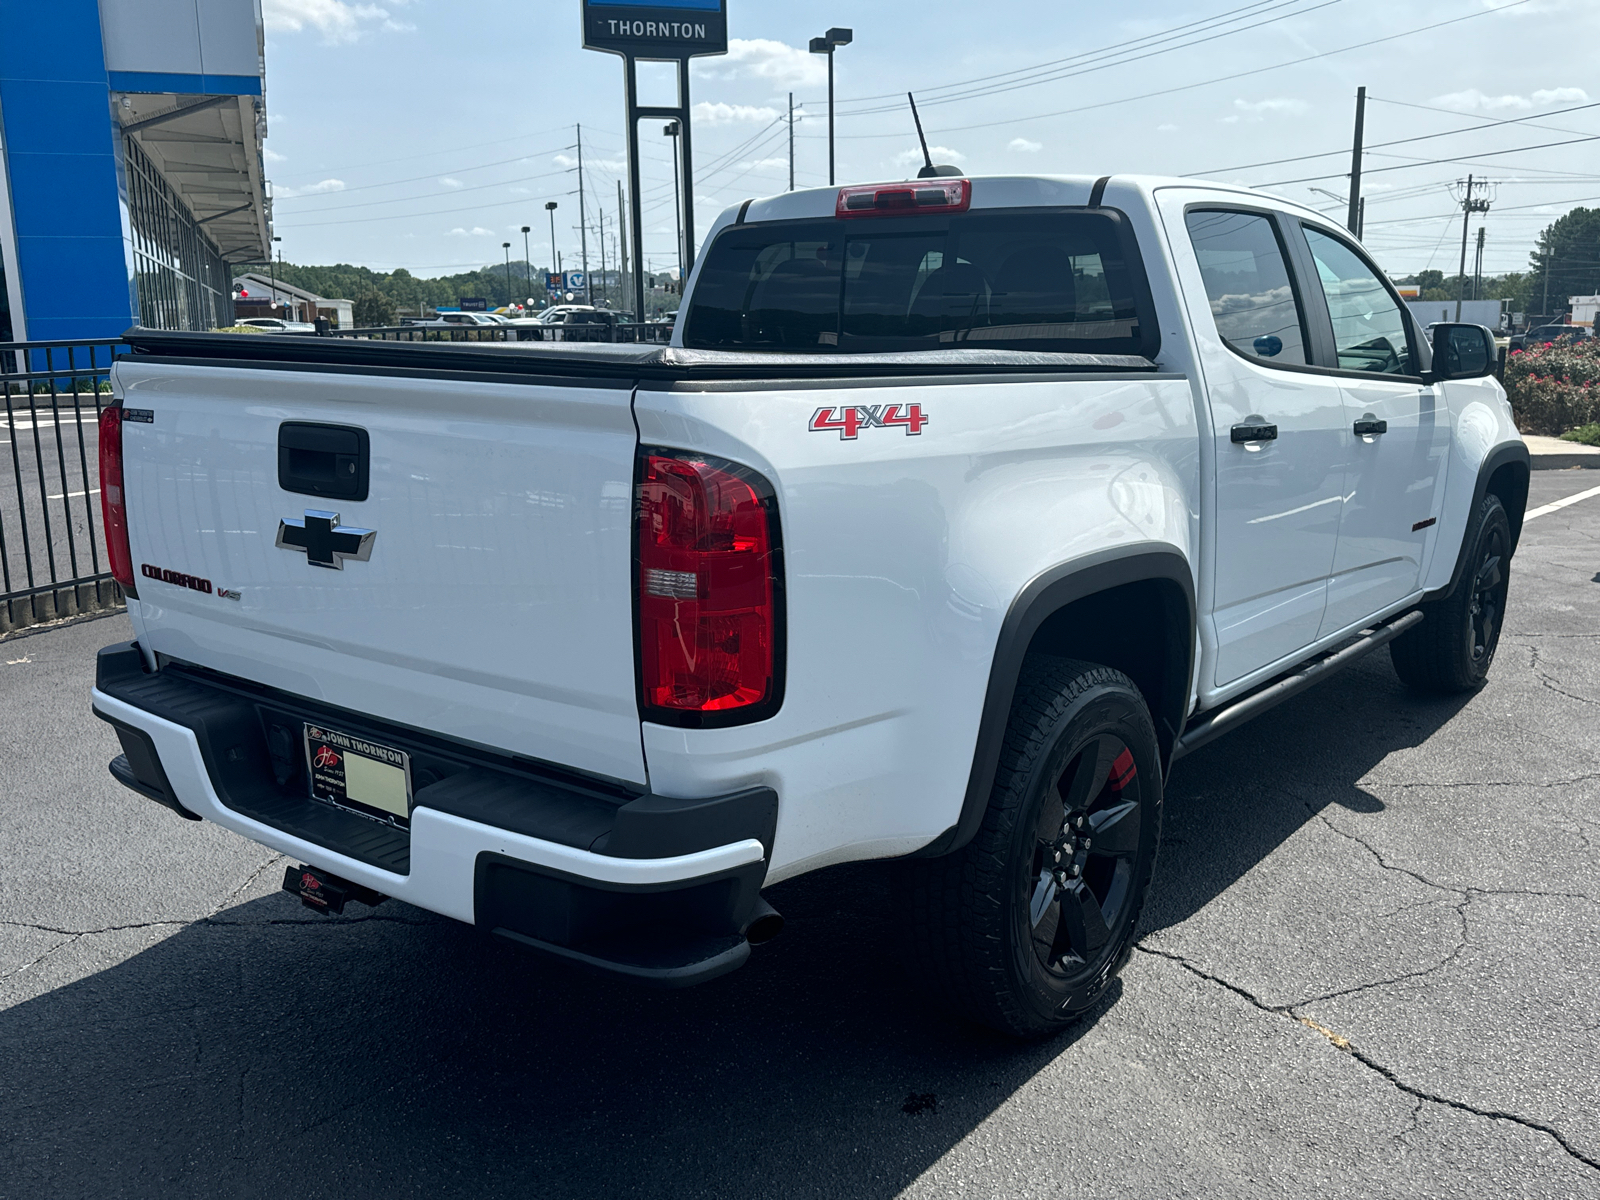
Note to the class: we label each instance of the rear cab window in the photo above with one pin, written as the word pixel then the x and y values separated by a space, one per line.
pixel 1064 280
pixel 1248 286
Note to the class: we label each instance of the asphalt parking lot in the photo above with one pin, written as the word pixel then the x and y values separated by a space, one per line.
pixel 1369 970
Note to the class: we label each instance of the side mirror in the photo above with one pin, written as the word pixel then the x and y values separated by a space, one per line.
pixel 1463 352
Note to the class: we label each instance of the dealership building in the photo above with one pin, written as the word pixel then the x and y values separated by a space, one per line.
pixel 131 176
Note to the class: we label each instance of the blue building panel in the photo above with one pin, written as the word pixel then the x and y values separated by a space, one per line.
pixel 199 85
pixel 62 167
pixel 99 230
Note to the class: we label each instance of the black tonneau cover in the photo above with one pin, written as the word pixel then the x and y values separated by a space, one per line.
pixel 601 360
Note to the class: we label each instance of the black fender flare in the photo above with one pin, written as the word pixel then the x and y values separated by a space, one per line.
pixel 1045 594
pixel 1503 454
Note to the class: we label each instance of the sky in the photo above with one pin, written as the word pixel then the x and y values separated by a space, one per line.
pixel 425 133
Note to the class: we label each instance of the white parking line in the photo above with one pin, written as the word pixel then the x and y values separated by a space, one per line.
pixel 64 495
pixel 1557 505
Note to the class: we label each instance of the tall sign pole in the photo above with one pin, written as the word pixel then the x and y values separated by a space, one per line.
pixel 656 31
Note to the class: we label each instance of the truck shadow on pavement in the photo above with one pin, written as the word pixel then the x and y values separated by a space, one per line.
pixel 268 1048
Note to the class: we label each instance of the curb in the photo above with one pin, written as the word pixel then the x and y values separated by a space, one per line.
pixel 1552 454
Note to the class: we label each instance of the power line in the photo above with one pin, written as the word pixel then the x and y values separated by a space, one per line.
pixel 1433 162
pixel 1488 122
pixel 366 187
pixel 1187 87
pixel 1114 59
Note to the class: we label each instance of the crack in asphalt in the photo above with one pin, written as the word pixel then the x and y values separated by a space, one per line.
pixel 1467 891
pixel 1346 1046
pixel 1550 681
pixel 1517 783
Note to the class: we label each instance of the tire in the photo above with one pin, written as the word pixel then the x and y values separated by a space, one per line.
pixel 1013 937
pixel 1453 648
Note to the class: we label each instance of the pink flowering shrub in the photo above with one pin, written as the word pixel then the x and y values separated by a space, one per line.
pixel 1555 387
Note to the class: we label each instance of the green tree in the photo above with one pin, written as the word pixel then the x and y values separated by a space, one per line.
pixel 1567 261
pixel 372 308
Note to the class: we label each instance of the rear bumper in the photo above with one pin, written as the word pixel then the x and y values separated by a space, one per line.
pixel 652 887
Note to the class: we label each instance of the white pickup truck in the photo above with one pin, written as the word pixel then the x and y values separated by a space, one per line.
pixel 954 514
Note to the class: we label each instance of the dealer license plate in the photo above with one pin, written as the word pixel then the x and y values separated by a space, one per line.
pixel 354 773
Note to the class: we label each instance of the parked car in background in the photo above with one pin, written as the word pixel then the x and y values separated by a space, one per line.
pixel 458 319
pixel 1540 334
pixel 277 325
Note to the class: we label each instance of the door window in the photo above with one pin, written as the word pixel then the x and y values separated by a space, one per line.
pixel 1369 330
pixel 1247 285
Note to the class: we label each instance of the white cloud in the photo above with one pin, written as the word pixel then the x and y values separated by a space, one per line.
pixel 446 181
pixel 311 189
pixel 475 231
pixel 1259 110
pixel 1561 95
pixel 939 154
pixel 1472 100
pixel 272 156
pixel 725 114
pixel 520 191
pixel 570 163
pixel 761 58
pixel 1166 129
pixel 336 20
pixel 1024 146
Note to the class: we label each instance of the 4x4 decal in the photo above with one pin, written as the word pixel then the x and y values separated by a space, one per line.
pixel 852 419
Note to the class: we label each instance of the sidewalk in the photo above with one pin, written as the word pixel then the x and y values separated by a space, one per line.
pixel 1552 454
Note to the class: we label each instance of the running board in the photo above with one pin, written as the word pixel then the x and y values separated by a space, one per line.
pixel 1213 725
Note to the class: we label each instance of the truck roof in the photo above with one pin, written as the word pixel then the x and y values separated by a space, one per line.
pixel 1001 191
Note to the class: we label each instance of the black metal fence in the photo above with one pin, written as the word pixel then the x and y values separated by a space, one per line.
pixel 620 331
pixel 52 548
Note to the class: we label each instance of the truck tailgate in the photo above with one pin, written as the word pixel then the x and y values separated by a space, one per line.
pixel 496 603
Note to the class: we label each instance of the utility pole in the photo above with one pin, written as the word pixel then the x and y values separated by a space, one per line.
pixel 1544 308
pixel 622 246
pixel 583 227
pixel 1468 207
pixel 1477 268
pixel 1353 223
pixel 791 141
pixel 1361 219
pixel 506 246
pixel 602 211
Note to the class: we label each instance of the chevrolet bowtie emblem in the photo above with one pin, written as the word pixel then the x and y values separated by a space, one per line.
pixel 326 542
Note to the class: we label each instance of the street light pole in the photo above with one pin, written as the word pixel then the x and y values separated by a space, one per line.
pixel 550 207
pixel 827 44
pixel 671 131
pixel 272 272
pixel 506 246
pixel 527 261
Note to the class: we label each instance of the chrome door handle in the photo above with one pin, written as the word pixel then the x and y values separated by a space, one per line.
pixel 1254 433
pixel 1367 425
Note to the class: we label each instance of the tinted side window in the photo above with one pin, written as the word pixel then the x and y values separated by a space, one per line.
pixel 1247 284
pixel 1369 331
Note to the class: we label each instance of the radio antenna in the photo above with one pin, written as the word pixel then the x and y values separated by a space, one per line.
pixel 928 171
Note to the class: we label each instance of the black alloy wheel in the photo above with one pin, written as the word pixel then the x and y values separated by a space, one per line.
pixel 1453 648
pixel 1079 882
pixel 1490 583
pixel 1025 927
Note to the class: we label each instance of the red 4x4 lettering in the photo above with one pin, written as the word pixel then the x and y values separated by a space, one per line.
pixel 911 418
pixel 852 419
pixel 848 423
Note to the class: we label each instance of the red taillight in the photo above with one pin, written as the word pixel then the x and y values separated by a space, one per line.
pixel 113 502
pixel 898 199
pixel 708 591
